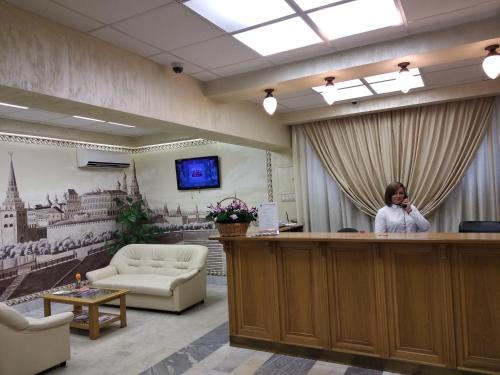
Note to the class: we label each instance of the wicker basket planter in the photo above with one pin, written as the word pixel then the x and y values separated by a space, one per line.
pixel 232 229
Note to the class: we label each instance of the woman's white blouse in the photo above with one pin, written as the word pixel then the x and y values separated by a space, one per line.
pixel 396 219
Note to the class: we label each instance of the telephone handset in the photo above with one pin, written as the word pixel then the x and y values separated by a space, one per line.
pixel 403 206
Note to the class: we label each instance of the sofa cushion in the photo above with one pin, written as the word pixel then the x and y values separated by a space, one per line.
pixel 168 260
pixel 157 285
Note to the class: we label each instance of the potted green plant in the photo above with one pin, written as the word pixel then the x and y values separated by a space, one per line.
pixel 232 219
pixel 135 219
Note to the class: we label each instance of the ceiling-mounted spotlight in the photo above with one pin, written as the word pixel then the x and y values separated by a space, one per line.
pixel 404 78
pixel 329 91
pixel 270 102
pixel 491 64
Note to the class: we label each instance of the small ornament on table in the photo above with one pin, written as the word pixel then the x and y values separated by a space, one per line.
pixel 78 279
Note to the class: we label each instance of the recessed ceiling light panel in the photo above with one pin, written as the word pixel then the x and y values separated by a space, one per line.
pixel 341 85
pixel 311 4
pixel 13 106
pixel 119 124
pixel 392 85
pixel 389 76
pixel 346 93
pixel 232 15
pixel 353 93
pixel 356 17
pixel 279 37
pixel 89 118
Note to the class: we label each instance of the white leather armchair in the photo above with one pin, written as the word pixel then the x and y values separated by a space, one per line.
pixel 30 345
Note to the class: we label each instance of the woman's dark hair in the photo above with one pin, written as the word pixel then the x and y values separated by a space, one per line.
pixel 390 190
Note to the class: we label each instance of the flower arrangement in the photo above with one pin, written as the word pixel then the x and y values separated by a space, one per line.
pixel 235 212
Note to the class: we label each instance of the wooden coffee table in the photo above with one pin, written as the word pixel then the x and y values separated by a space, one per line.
pixel 91 319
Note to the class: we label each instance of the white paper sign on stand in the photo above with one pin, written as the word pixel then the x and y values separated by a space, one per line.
pixel 268 218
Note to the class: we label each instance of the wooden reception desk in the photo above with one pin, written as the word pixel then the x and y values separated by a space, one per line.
pixel 424 298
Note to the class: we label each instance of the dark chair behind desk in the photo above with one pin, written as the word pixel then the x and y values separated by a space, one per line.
pixel 342 230
pixel 479 227
pixel 292 228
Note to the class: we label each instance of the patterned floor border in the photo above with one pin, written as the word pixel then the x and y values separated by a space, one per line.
pixel 211 354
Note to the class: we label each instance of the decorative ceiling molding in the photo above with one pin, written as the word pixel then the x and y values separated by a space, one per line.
pixel 19 138
pixel 170 146
pixel 34 140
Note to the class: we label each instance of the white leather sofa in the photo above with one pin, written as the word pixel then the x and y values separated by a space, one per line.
pixel 29 345
pixel 162 277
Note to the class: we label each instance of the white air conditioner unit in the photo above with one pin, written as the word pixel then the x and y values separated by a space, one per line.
pixel 101 159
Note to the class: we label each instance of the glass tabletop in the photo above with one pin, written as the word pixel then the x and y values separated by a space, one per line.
pixel 87 293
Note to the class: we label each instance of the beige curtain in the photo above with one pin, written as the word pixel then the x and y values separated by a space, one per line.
pixel 426 148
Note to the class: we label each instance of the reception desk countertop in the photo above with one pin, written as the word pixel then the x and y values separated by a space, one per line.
pixel 426 237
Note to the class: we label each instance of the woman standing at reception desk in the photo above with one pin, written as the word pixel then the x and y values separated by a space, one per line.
pixel 398 215
pixel 380 301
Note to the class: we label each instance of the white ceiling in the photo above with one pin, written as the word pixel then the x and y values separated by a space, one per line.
pixel 57 119
pixel 167 31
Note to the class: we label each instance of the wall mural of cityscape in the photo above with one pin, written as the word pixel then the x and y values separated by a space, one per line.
pixel 43 245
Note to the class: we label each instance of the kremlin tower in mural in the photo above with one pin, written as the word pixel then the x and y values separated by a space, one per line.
pixel 135 194
pixel 13 213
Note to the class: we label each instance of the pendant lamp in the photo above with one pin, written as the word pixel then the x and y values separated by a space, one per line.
pixel 270 102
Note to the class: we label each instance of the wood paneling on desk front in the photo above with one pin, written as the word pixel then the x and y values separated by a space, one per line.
pixel 427 298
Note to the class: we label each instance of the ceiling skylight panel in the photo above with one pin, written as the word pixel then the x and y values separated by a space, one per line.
pixel 278 37
pixel 353 93
pixel 356 17
pixel 389 76
pixel 340 85
pixel 347 92
pixel 392 85
pixel 311 4
pixel 232 15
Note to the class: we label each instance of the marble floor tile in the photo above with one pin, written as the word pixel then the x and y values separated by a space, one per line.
pixel 210 363
pixel 327 368
pixel 234 359
pixel 280 364
pixel 185 358
pixel 217 280
pixel 255 361
pixel 225 360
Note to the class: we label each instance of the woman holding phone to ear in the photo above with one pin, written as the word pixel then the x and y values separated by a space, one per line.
pixel 398 214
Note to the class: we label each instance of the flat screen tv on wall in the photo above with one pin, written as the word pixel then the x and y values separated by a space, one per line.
pixel 198 173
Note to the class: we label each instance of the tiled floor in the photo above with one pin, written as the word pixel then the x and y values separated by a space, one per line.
pixel 212 355
pixel 196 342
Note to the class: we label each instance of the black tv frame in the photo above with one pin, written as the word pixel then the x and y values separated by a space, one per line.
pixel 178 161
